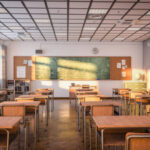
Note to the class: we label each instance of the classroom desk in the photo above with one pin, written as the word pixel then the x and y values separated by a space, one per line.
pixel 35 98
pixel 50 93
pixel 3 94
pixel 27 104
pixel 8 123
pixel 80 97
pixel 140 101
pixel 117 92
pixel 119 122
pixel 83 106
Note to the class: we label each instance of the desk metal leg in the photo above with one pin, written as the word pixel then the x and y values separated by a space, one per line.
pixel 79 118
pixel 47 112
pixel 96 136
pixel 25 138
pixel 90 130
pixel 53 100
pixel 102 139
pixel 35 126
pixel 84 126
pixel 19 138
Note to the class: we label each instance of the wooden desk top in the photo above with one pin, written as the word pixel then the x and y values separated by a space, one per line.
pixel 104 102
pixel 9 122
pixel 16 103
pixel 33 96
pixel 143 96
pixel 122 121
pixel 86 95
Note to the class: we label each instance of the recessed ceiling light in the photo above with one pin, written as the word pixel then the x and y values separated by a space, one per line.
pixel 148 13
pixel 119 39
pixel 12 34
pixel 15 28
pixel 62 34
pixel 42 20
pixel 95 16
pixel 133 29
pixel 98 11
pixel 2 10
pixel 84 38
pixel 90 29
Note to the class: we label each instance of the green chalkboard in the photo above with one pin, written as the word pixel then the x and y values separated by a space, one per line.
pixel 72 68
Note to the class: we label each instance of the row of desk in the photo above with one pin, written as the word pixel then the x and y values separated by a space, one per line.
pixel 33 100
pixel 104 123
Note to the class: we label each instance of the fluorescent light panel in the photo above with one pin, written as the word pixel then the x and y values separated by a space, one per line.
pixel 88 28
pixel 119 39
pixel 85 38
pixel 42 20
pixel 2 10
pixel 133 29
pixel 98 11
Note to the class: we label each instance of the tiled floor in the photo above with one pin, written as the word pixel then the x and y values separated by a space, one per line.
pixel 62 133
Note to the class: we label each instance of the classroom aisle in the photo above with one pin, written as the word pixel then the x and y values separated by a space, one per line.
pixel 62 132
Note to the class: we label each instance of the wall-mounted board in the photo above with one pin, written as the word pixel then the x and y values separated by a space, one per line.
pixel 120 68
pixel 24 68
pixel 136 86
pixel 74 68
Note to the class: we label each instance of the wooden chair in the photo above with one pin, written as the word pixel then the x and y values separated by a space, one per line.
pixel 92 98
pixel 99 110
pixel 28 109
pixel 137 141
pixel 19 111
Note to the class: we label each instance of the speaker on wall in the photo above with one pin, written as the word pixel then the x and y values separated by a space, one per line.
pixel 38 51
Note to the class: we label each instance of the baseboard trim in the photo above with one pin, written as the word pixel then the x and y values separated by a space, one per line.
pixel 68 98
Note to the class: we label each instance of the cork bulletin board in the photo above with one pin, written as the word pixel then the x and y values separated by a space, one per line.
pixel 24 67
pixel 120 68
pixel 57 68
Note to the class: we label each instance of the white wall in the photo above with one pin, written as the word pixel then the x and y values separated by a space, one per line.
pixel 134 49
pixel 146 52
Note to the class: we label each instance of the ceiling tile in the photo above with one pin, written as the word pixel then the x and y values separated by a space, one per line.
pixel 100 5
pixel 57 4
pixel 122 5
pixel 142 6
pixel 33 4
pixel 38 11
pixel 79 5
pixel 12 4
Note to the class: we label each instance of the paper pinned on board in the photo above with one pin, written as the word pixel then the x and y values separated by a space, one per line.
pixel 118 65
pixel 29 62
pixel 21 71
pixel 123 62
pixel 25 62
pixel 123 74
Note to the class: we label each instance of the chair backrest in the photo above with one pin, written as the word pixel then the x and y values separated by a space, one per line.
pixel 13 110
pixel 137 141
pixel 85 86
pixel 103 110
pixel 24 99
pixel 92 98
